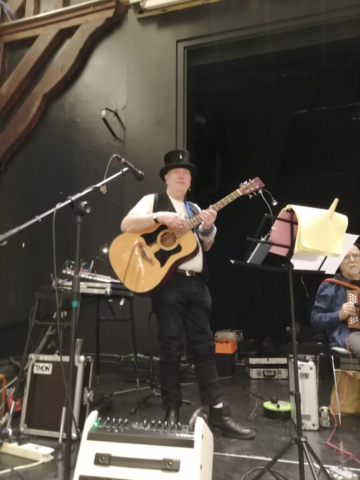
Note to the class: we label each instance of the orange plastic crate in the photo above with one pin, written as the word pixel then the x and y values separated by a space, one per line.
pixel 225 346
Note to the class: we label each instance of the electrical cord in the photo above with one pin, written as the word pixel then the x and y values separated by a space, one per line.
pixel 99 258
pixel 103 188
pixel 252 393
pixel 306 290
pixel 267 203
pixel 108 165
pixel 31 311
pixel 58 324
pixel 21 467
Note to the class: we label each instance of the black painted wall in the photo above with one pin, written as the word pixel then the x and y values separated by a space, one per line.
pixel 132 69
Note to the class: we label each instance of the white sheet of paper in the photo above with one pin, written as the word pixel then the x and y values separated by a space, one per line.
pixel 307 261
pixel 332 263
pixel 312 262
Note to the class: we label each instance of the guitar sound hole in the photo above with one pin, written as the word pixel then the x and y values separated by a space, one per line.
pixel 168 240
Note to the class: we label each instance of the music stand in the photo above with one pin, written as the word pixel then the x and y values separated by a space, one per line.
pixel 262 247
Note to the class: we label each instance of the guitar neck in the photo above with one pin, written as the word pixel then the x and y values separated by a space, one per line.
pixel 195 221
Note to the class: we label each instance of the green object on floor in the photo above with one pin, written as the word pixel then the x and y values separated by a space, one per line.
pixel 277 409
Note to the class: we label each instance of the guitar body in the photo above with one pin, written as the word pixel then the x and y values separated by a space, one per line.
pixel 143 261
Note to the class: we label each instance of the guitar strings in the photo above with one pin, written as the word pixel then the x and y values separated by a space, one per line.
pixel 218 205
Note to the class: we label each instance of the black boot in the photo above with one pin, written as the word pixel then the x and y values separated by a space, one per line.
pixel 220 419
pixel 172 415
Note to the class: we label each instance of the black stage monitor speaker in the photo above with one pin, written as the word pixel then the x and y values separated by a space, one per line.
pixel 44 396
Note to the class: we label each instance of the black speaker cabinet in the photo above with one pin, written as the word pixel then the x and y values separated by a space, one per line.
pixel 44 396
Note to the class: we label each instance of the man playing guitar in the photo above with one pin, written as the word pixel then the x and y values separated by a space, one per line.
pixel 184 303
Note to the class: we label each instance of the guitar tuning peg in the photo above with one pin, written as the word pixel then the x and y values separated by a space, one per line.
pixel 250 196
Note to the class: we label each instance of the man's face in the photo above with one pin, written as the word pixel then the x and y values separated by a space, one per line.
pixel 178 179
pixel 350 266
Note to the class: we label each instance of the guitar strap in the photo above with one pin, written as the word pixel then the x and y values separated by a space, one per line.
pixel 188 208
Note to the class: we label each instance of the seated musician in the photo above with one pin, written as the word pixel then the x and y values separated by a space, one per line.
pixel 331 309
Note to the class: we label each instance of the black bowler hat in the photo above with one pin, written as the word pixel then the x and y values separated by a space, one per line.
pixel 177 159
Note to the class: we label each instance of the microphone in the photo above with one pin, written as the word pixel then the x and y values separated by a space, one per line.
pixel 273 201
pixel 138 174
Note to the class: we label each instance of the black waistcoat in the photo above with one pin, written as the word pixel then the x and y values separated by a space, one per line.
pixel 162 203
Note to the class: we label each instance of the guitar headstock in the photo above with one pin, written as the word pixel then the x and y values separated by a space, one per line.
pixel 251 186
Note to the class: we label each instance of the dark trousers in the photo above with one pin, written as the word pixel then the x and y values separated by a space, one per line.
pixel 184 305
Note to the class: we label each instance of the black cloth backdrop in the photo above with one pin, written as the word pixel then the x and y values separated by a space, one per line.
pixel 293 121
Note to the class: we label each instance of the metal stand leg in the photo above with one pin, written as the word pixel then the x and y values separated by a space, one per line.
pixel 317 459
pixel 79 211
pixel 62 425
pixel 272 462
pixel 309 459
pixel 97 341
pixel 22 367
pixel 134 346
pixel 336 389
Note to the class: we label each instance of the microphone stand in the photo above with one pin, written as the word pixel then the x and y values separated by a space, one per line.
pixel 79 210
pixel 70 199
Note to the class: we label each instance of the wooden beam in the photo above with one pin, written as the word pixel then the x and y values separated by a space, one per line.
pixel 2 62
pixel 24 72
pixel 18 6
pixel 55 77
pixel 31 8
pixel 60 4
pixel 73 16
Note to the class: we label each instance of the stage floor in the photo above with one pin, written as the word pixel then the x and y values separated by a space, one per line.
pixel 232 458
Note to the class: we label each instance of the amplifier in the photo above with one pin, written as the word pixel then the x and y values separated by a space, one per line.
pixel 308 392
pixel 44 396
pixel 117 449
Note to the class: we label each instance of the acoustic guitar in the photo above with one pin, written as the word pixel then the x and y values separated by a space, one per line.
pixel 145 260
